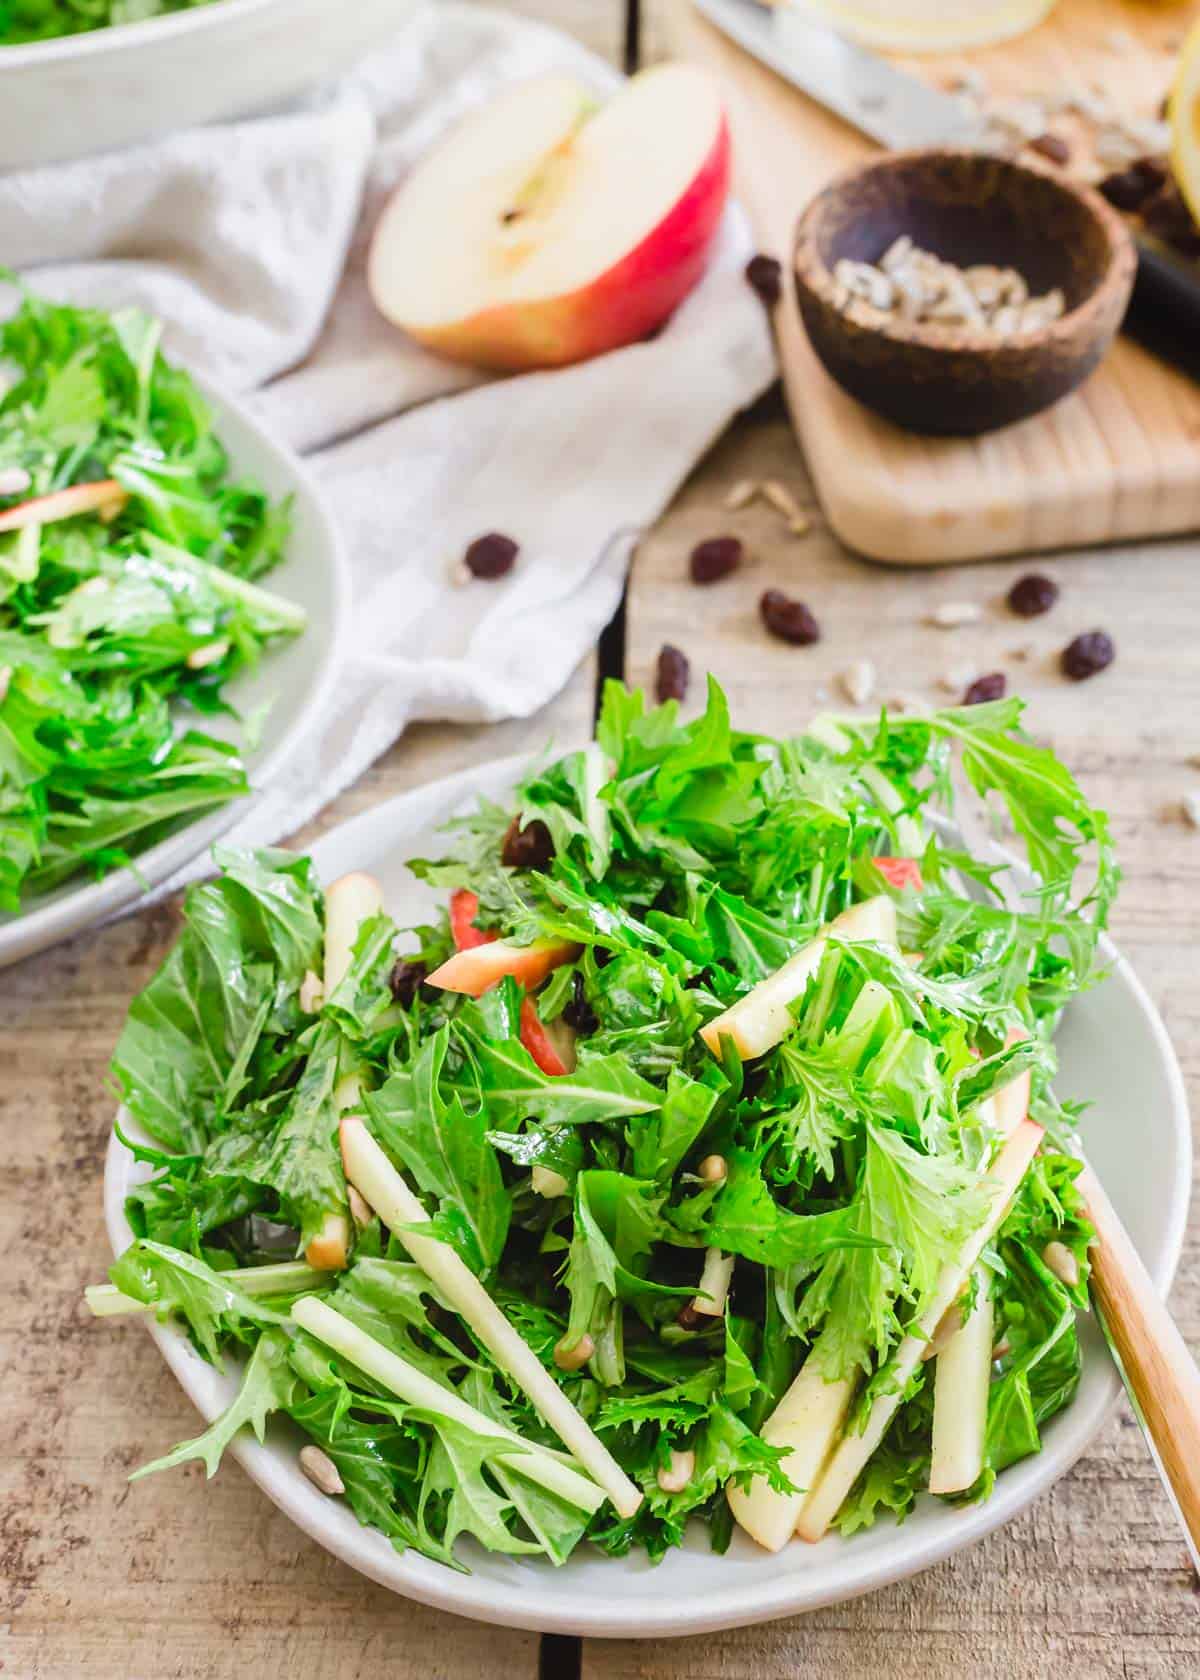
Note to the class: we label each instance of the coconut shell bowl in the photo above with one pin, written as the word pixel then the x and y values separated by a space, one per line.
pixel 960 378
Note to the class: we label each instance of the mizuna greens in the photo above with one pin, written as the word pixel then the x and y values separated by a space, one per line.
pixel 45 20
pixel 787 1264
pixel 127 564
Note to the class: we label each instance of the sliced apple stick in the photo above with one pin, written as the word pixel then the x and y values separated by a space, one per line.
pixel 413 1386
pixel 715 1278
pixel 960 1398
pixel 852 1455
pixel 1011 1102
pixel 349 902
pixel 808 1420
pixel 761 1019
pixel 105 497
pixel 479 966
pixel 375 1178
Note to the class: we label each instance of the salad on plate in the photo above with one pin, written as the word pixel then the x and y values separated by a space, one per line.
pixel 128 595
pixel 47 20
pixel 698 1160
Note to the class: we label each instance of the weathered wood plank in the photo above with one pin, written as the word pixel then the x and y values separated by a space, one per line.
pixel 1092 1580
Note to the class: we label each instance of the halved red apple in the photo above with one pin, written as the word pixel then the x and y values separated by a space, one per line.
pixel 105 497
pixel 472 971
pixel 544 230
pixel 540 1042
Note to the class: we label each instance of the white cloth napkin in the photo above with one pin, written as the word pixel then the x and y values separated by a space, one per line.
pixel 249 239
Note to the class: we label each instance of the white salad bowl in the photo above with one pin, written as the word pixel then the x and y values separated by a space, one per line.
pixel 1114 1053
pixel 293 679
pixel 80 94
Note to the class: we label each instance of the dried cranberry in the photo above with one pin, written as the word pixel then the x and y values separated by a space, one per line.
pixel 404 979
pixel 671 680
pixel 531 847
pixel 1051 146
pixel 765 275
pixel 790 620
pixel 1087 654
pixel 1128 189
pixel 578 1012
pixel 689 1319
pixel 993 686
pixel 491 556
pixel 1032 594
pixel 715 558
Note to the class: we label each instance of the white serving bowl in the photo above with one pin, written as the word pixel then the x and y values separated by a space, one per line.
pixel 1114 1052
pixel 296 677
pixel 80 94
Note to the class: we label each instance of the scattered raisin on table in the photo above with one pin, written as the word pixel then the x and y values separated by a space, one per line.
pixel 404 979
pixel 790 620
pixel 1087 655
pixel 715 558
pixel 1032 594
pixel 490 556
pixel 673 674
pixel 765 275
pixel 578 1012
pixel 1051 146
pixel 992 686
pixel 531 847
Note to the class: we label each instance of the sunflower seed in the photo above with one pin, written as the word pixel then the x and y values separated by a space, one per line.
pixel 742 494
pixel 321 1471
pixel 858 681
pixel 949 615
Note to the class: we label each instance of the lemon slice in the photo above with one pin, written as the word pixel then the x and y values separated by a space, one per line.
pixel 930 25
pixel 1184 117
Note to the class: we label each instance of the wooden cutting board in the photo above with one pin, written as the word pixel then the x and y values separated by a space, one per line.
pixel 1118 459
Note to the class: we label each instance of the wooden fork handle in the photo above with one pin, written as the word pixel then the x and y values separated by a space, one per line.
pixel 1158 1368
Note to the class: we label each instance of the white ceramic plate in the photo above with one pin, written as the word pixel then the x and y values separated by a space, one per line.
pixel 295 676
pixel 1114 1052
pixel 81 94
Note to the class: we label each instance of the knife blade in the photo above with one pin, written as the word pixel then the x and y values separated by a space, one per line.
pixel 892 107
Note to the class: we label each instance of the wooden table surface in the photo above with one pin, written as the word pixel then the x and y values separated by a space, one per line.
pixel 172 1578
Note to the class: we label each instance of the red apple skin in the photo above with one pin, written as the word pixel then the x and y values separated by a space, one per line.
pixel 472 971
pixel 104 496
pixel 619 307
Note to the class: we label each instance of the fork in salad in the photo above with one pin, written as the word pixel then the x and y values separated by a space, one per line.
pixel 698 1159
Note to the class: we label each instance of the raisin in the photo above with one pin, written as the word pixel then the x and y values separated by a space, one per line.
pixel 671 680
pixel 404 979
pixel 765 275
pixel 578 1012
pixel 1168 216
pixel 491 556
pixel 1087 654
pixel 1128 189
pixel 790 620
pixel 993 686
pixel 1051 146
pixel 1032 594
pixel 531 847
pixel 715 558
pixel 689 1319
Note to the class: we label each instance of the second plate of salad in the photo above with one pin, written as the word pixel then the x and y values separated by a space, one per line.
pixel 172 601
